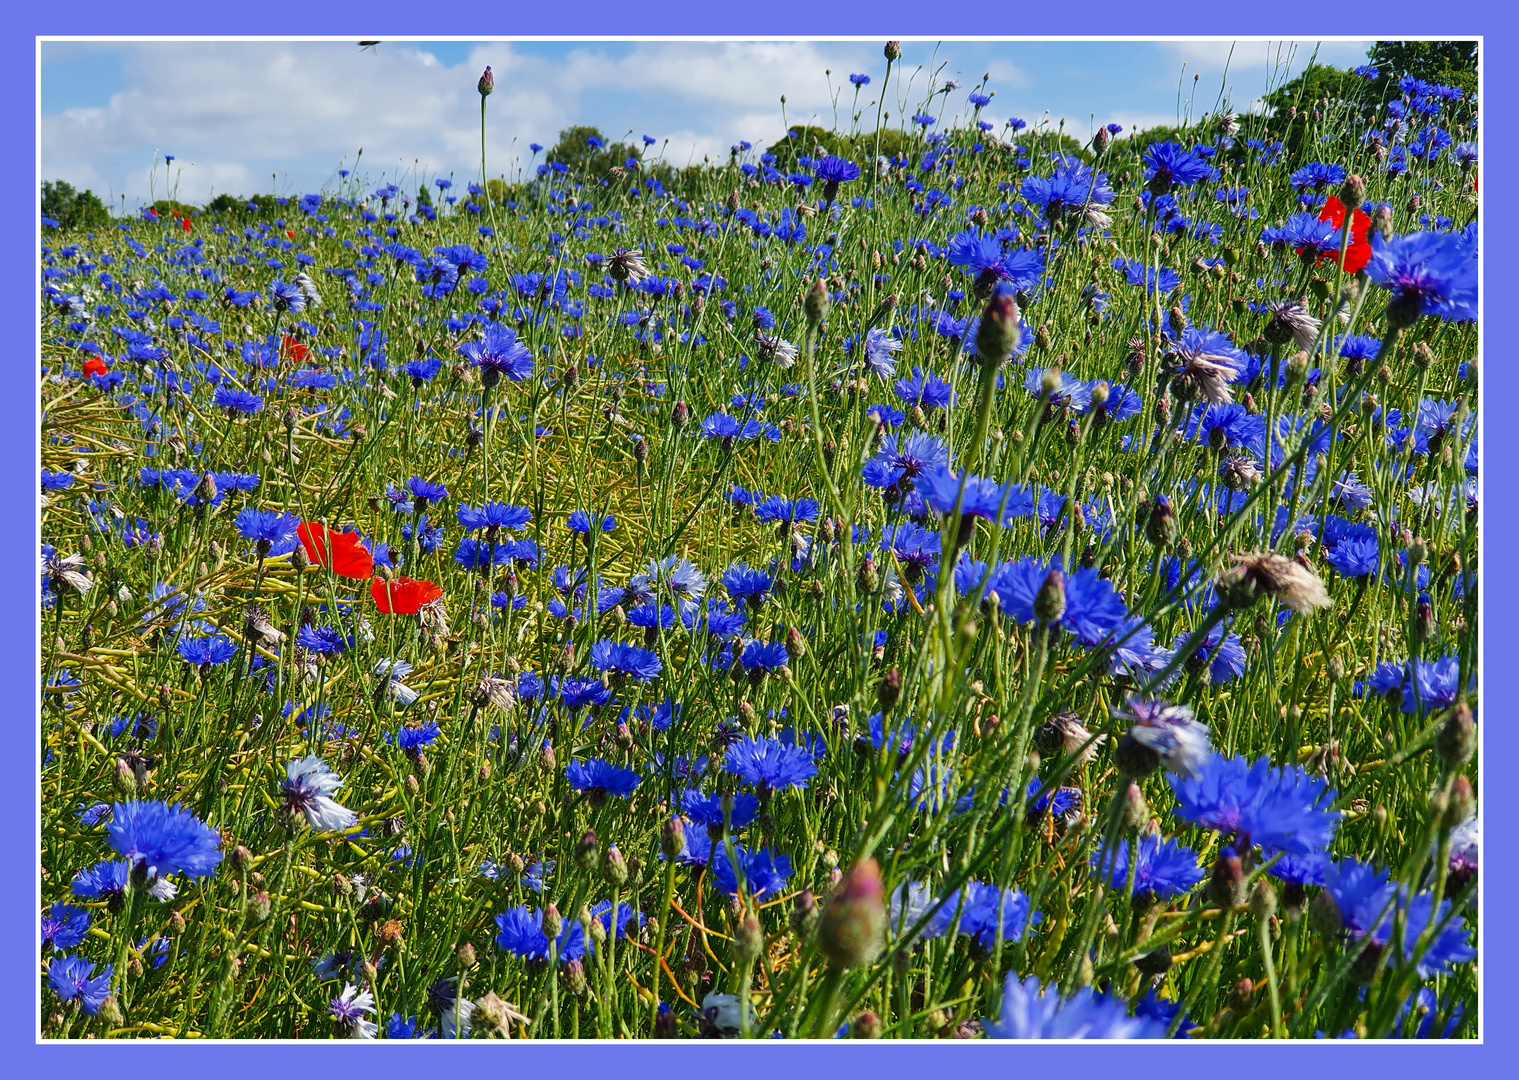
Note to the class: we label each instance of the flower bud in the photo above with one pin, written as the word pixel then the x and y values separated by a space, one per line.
pixel 890 690
pixel 465 954
pixel 849 932
pixel 613 867
pixel 1049 604
pixel 816 303
pixel 574 976
pixel 552 923
pixel 487 83
pixel 110 1012
pixel 1101 140
pixel 1457 738
pixel 868 1025
pixel 1263 900
pixel 893 51
pixel 804 913
pixel 672 838
pixel 1324 914
pixel 998 330
pixel 258 907
pixel 680 416
pixel 749 941
pixel 1226 886
pixel 585 850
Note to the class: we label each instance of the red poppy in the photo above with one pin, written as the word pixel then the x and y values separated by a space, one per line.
pixel 403 596
pixel 293 349
pixel 185 221
pixel 349 557
pixel 1360 226
pixel 290 233
pixel 94 366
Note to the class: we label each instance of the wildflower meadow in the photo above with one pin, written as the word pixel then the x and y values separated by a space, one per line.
pixel 933 577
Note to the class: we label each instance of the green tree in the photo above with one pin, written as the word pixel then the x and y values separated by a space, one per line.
pixel 73 209
pixel 1447 63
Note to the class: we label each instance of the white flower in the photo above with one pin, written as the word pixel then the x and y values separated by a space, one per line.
pixel 348 1009
pixel 719 1012
pixel 308 788
pixel 393 671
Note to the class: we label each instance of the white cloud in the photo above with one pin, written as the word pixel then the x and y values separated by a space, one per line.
pixel 299 109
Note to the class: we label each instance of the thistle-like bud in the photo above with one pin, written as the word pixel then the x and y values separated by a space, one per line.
pixel 893 51
pixel 487 83
pixel 796 644
pixel 749 941
pixel 258 907
pixel 1381 220
pixel 849 933
pixel 868 1025
pixel 1136 814
pixel 1226 887
pixel 574 976
pixel 868 578
pixel 1160 528
pixel 1049 604
pixel 998 330
pixel 465 954
pixel 1324 914
pixel 110 1012
pixel 672 838
pixel 205 491
pixel 585 850
pixel 613 867
pixel 1461 803
pixel 1352 192
pixel 680 416
pixel 804 913
pixel 1101 140
pixel 1263 900
pixel 552 923
pixel 890 690
pixel 816 303
pixel 1457 739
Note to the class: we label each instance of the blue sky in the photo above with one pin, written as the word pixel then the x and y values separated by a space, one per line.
pixel 250 117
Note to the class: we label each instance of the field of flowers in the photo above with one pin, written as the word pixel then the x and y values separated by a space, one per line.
pixel 972 584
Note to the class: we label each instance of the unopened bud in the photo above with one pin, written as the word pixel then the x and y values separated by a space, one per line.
pixel 585 850
pixel 613 867
pixel 1457 738
pixel 849 932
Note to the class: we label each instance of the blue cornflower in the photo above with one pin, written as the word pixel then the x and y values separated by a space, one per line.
pixel 286 296
pixel 625 661
pixel 904 457
pixel 880 352
pixel 984 497
pixel 56 481
pixel 1091 608
pixel 326 640
pixel 64 926
pixel 707 810
pixel 1165 868
pixel 272 532
pixel 860 80
pixel 1368 902
pixel 494 515
pixel 746 583
pixel 1070 187
pixel 1316 176
pixel 926 391
pixel 987 908
pixel 1030 1011
pixel 105 880
pixel 499 353
pixel 1168 731
pixel 787 511
pixel 1355 556
pixel 1170 164
pixel 475 554
pixel 602 913
pixel 769 763
pixel 760 658
pixel 1305 234
pixel 982 255
pixel 165 839
pixel 206 651
pixel 580 522
pixel 600 776
pixel 1427 273
pixel 833 171
pixel 235 400
pixel 765 872
pixel 425 491
pixel 73 978
pixel 1281 809
pixel 410 738
pixel 520 931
